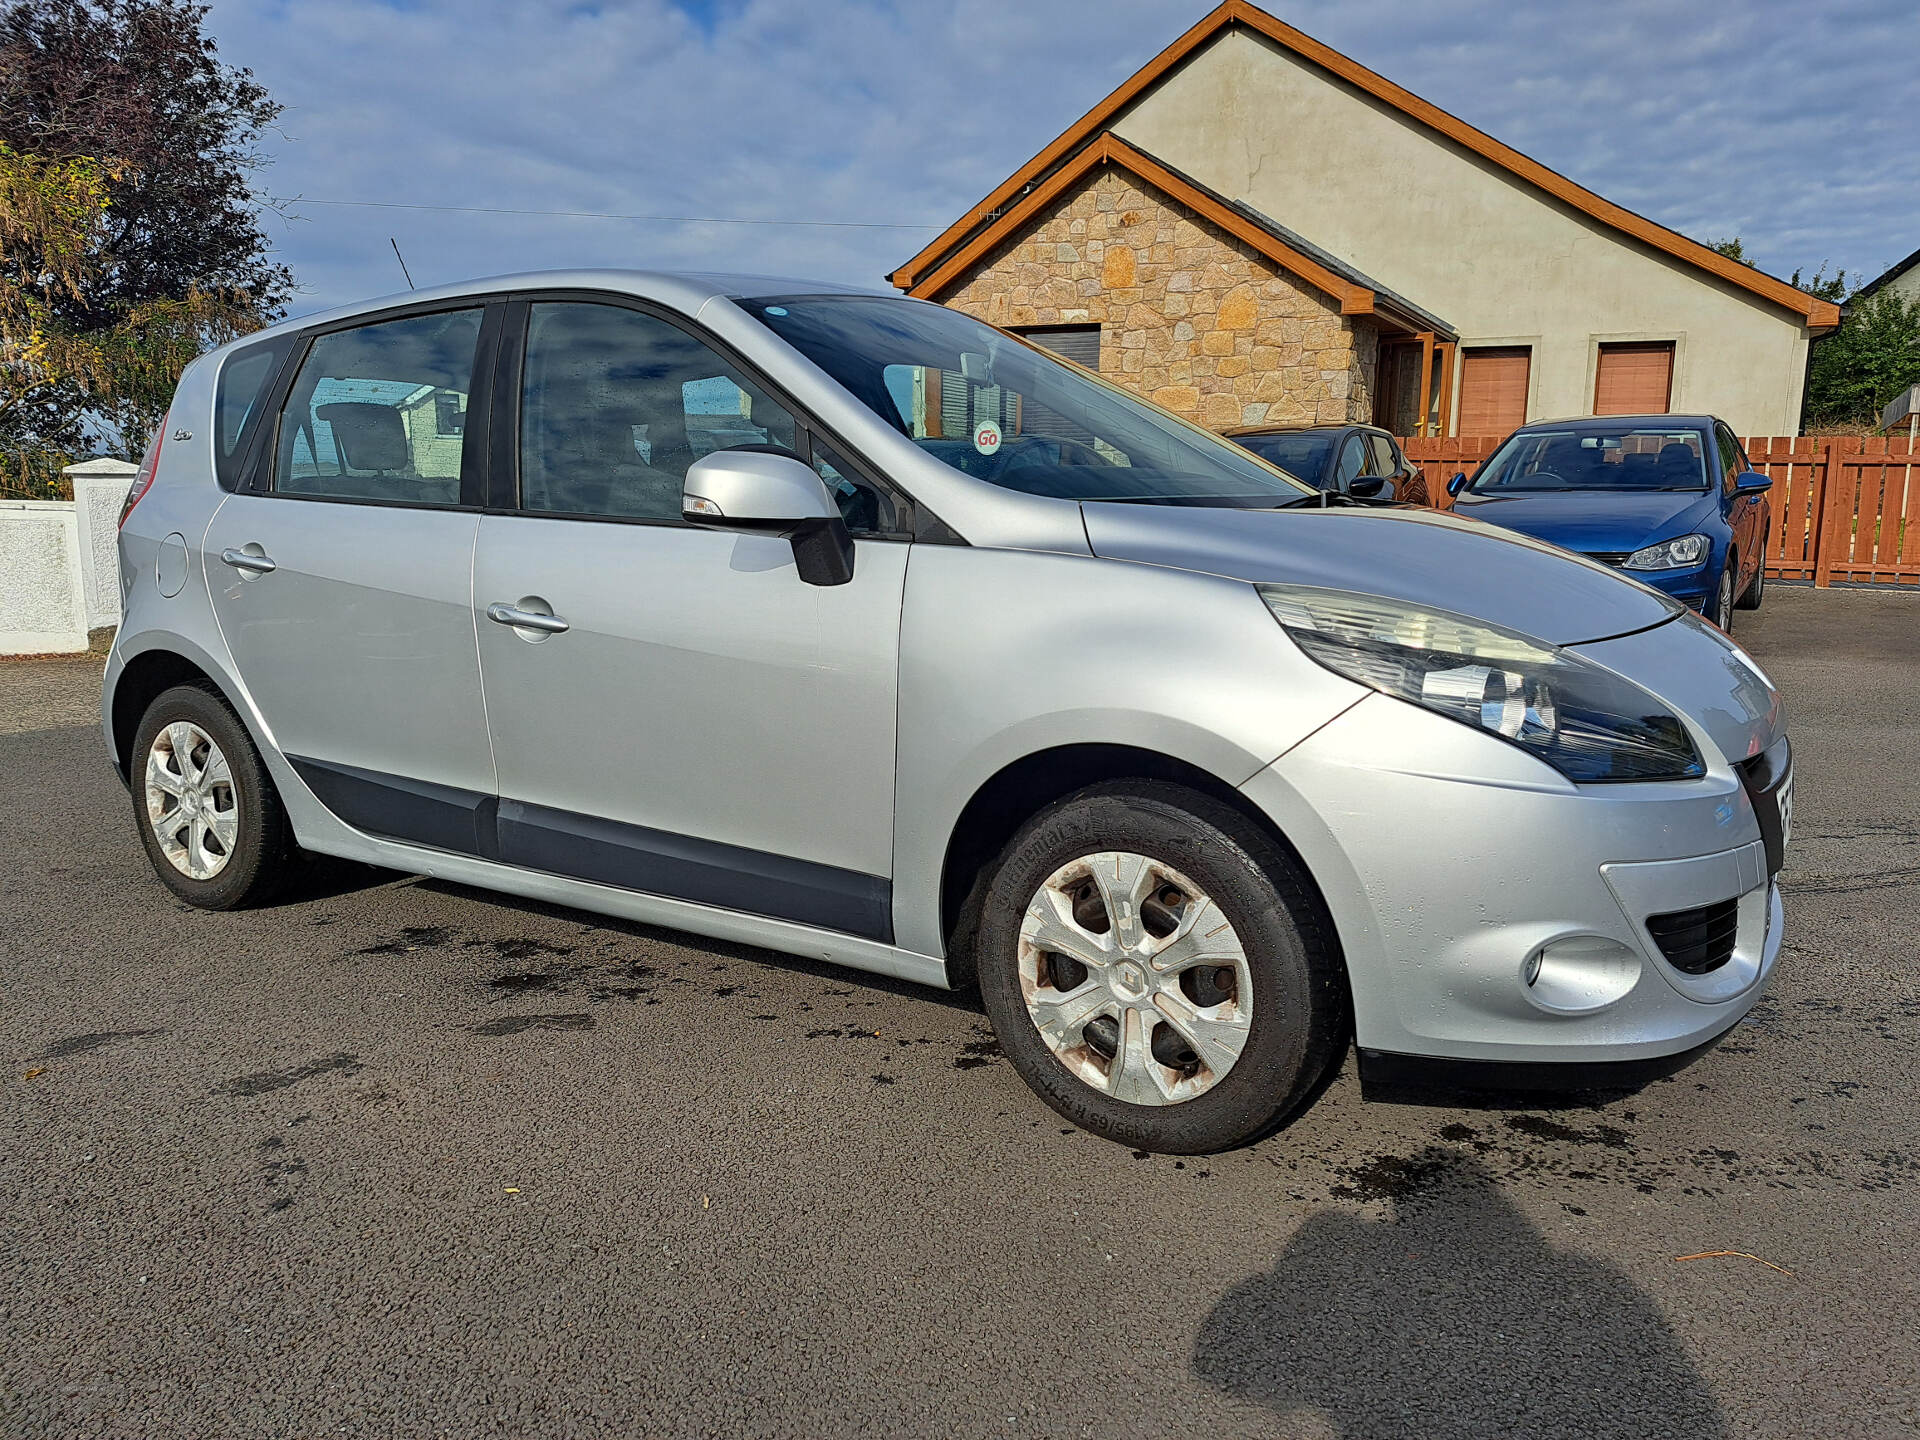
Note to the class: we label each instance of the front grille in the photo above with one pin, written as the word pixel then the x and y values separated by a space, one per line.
pixel 1615 558
pixel 1697 941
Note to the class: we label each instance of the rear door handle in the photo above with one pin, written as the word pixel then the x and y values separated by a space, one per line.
pixel 247 560
pixel 520 619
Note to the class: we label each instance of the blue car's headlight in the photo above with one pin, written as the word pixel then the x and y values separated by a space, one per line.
pixel 1578 716
pixel 1675 554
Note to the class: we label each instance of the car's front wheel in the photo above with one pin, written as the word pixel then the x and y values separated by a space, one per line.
pixel 208 814
pixel 1722 613
pixel 1757 587
pixel 1158 969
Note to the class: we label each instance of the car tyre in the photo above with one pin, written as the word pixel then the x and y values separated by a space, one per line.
pixel 1756 590
pixel 209 816
pixel 1723 597
pixel 1208 883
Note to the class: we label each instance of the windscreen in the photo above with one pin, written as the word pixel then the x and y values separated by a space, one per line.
pixel 1001 410
pixel 1595 458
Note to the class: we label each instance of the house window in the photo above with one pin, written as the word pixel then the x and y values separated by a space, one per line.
pixel 1634 379
pixel 449 413
pixel 1493 389
pixel 1078 343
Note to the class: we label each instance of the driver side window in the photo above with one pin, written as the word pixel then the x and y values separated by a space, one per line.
pixel 616 404
pixel 1732 459
pixel 1352 464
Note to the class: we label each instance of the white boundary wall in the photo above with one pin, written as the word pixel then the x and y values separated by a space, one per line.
pixel 59 569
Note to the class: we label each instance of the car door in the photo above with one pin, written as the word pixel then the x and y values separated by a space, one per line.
pixel 1745 512
pixel 341 576
pixel 694 720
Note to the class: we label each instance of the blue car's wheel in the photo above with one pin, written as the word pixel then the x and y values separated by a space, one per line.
pixel 1721 612
pixel 1756 588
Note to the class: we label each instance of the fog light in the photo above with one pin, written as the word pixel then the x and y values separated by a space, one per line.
pixel 1579 974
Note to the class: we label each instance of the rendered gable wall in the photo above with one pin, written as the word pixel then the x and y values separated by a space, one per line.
pixel 1505 263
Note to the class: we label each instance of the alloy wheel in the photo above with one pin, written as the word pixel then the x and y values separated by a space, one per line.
pixel 192 804
pixel 1135 979
pixel 1723 601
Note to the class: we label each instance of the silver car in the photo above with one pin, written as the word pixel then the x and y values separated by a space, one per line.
pixel 847 626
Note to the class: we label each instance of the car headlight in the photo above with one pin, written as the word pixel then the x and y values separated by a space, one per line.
pixel 1674 554
pixel 1581 718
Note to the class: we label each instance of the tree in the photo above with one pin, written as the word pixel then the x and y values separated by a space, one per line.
pixel 1873 356
pixel 127 101
pixel 1819 284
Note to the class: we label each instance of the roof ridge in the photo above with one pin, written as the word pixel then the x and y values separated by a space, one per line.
pixel 1820 314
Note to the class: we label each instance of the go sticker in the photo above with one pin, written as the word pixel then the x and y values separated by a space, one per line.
pixel 986 439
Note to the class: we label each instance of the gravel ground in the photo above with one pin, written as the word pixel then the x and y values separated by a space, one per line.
pixel 399 1158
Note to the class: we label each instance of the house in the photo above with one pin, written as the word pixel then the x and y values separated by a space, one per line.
pixel 1902 280
pixel 1256 229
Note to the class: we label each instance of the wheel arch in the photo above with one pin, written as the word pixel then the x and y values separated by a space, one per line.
pixel 1021 788
pixel 147 674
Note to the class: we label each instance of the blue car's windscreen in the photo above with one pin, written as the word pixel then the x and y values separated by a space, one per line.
pixel 1005 411
pixel 1593 458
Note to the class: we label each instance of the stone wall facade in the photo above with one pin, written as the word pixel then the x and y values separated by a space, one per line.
pixel 1190 316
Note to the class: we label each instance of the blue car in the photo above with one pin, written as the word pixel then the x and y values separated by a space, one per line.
pixel 1669 499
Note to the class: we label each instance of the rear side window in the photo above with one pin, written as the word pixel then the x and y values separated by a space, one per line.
pixel 238 398
pixel 379 412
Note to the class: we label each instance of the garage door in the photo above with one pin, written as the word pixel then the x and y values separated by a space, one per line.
pixel 1634 379
pixel 1493 389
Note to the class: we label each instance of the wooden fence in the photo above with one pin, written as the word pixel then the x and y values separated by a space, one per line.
pixel 1846 510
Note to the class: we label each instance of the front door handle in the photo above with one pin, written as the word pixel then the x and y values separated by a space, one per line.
pixel 247 560
pixel 513 615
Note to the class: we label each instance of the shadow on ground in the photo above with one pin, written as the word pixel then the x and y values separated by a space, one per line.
pixel 1450 1316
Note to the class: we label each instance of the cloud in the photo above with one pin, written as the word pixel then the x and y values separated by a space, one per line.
pixel 1789 129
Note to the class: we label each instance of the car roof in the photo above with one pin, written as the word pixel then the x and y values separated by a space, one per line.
pixel 1299 429
pixel 686 291
pixel 1610 422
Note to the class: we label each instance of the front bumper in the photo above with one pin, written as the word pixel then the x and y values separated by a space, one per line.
pixel 1693 587
pixel 1490 910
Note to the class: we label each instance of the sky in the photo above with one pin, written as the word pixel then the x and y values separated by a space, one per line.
pixel 1792 126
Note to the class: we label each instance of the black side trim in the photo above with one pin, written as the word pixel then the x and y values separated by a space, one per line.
pixel 609 852
pixel 706 872
pixel 442 816
pixel 1387 1075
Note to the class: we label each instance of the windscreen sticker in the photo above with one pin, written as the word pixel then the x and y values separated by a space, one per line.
pixel 986 437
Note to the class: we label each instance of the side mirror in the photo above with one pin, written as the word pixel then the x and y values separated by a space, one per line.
pixel 1752 482
pixel 768 490
pixel 1457 483
pixel 1365 487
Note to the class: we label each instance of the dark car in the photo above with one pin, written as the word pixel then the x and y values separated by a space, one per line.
pixel 1670 499
pixel 1358 461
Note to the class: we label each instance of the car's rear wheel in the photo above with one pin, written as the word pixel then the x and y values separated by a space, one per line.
pixel 1158 969
pixel 1756 589
pixel 1723 597
pixel 208 814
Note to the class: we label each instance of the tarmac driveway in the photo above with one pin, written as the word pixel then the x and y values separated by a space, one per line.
pixel 400 1158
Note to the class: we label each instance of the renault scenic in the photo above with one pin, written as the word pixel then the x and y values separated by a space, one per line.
pixel 848 626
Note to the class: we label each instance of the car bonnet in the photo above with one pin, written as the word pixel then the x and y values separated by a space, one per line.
pixel 1420 556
